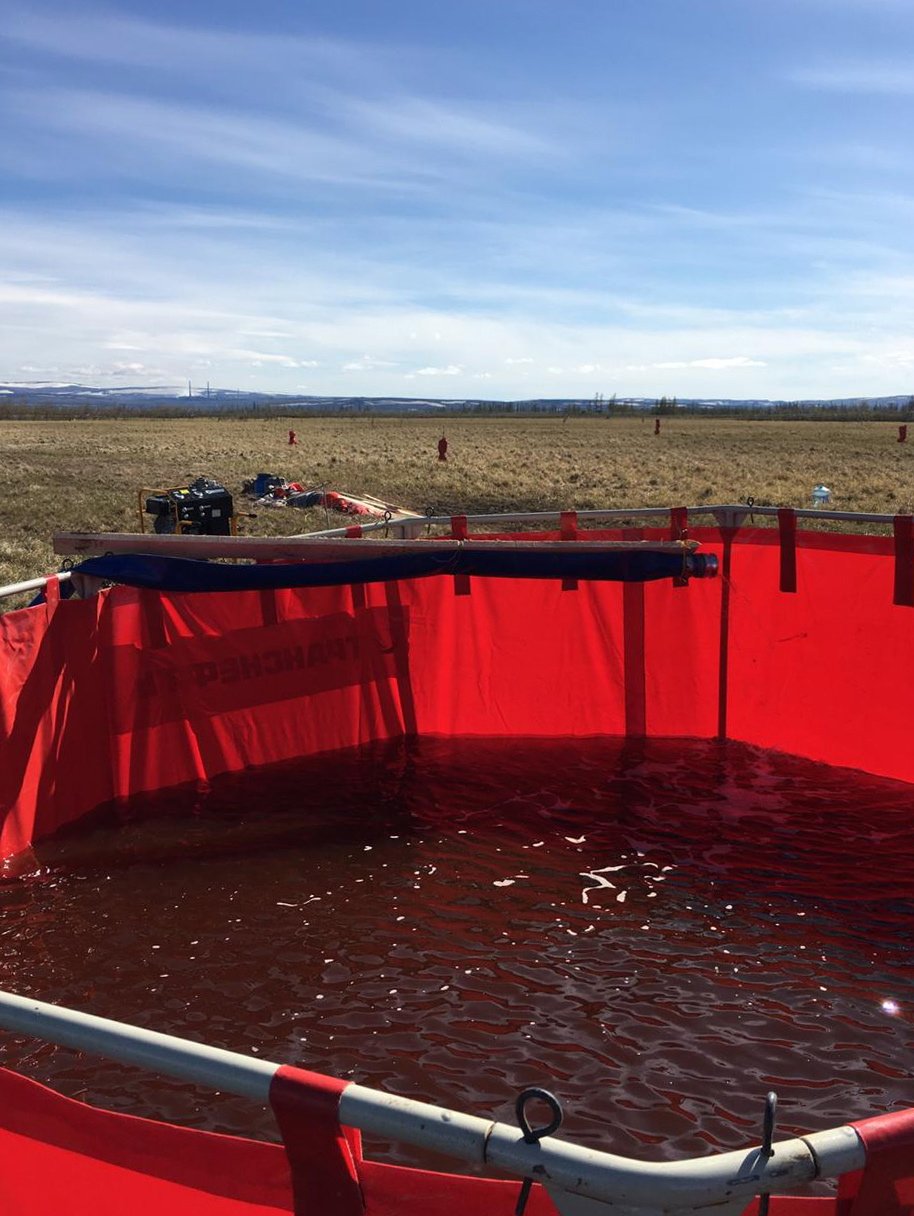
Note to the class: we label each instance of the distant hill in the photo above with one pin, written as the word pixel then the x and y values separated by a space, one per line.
pixel 18 398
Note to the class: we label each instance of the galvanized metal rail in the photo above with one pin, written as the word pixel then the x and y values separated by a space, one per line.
pixel 578 1179
pixel 725 515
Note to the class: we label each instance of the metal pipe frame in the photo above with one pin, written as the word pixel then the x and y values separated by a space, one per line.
pixel 32 584
pixel 732 1178
pixel 726 515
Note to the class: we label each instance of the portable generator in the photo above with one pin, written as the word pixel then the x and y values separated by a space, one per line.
pixel 204 508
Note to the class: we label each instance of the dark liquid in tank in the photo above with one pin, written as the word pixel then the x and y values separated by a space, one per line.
pixel 658 932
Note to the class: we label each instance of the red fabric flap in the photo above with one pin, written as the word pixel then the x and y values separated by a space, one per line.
pixel 324 1174
pixel 58 1155
pixel 569 531
pixel 787 527
pixel 886 1186
pixel 569 525
pixel 904 560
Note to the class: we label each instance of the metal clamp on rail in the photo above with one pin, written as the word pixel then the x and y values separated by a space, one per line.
pixel 532 1135
pixel 771 1110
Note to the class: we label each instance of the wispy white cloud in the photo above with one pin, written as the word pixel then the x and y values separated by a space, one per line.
pixel 892 359
pixel 136 371
pixel 207 136
pixel 337 112
pixel 367 363
pixel 75 132
pixel 878 156
pixel 882 286
pixel 893 77
pixel 711 364
pixel 107 37
pixel 262 357
pixel 422 121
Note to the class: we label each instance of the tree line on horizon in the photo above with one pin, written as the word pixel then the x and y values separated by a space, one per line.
pixel 864 410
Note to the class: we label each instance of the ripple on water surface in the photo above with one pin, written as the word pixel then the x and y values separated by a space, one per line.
pixel 659 932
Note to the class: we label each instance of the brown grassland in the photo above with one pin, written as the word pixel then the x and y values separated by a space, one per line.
pixel 83 475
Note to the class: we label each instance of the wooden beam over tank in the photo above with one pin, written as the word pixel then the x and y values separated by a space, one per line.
pixel 315 549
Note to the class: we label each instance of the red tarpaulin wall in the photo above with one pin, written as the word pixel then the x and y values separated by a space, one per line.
pixel 805 644
pixel 135 690
pixel 60 1156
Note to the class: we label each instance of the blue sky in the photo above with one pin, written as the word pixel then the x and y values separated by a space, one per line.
pixel 509 198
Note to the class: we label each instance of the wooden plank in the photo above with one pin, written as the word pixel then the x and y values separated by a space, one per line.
pixel 252 548
pixel 305 548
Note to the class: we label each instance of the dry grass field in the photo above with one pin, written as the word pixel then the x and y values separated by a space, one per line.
pixel 83 475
